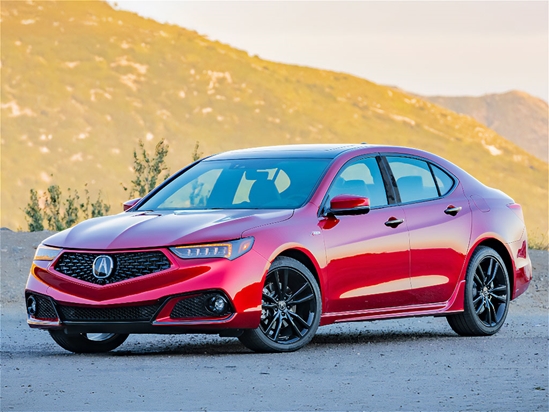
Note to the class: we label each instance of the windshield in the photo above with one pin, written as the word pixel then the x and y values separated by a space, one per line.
pixel 241 184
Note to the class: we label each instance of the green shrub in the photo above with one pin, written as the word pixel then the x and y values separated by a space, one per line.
pixel 147 168
pixel 33 213
pixel 61 214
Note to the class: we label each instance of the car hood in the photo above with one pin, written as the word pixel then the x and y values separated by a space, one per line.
pixel 150 229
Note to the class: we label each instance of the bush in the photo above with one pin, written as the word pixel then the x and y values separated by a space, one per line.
pixel 33 212
pixel 61 214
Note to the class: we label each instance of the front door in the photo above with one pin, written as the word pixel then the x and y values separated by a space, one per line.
pixel 368 255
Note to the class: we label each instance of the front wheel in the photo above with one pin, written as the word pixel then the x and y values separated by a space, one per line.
pixel 88 342
pixel 291 309
pixel 487 296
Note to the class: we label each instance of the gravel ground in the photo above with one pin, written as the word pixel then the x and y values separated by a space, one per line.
pixel 404 364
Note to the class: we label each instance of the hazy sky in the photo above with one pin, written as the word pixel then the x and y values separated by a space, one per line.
pixel 436 47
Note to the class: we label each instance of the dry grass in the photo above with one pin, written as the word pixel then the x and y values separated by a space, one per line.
pixel 538 241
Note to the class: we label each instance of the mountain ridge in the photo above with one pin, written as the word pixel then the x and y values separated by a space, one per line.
pixel 515 115
pixel 82 82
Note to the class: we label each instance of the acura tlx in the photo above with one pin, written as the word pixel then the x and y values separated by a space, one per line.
pixel 268 244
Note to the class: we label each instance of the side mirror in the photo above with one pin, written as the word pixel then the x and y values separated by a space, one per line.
pixel 349 205
pixel 131 203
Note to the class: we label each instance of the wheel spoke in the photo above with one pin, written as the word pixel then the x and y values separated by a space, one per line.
pixel 278 326
pixel 489 272
pixel 299 319
pixel 301 289
pixel 269 298
pixel 294 327
pixel 275 317
pixel 492 271
pixel 480 308
pixel 480 282
pixel 305 299
pixel 284 282
pixel 491 309
pixel 277 286
pixel 489 312
pixel 477 299
pixel 269 305
pixel 500 298
pixel 501 288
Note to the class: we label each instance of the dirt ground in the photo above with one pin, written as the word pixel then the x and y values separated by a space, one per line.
pixel 400 364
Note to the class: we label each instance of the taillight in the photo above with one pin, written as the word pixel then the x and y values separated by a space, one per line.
pixel 523 251
pixel 517 209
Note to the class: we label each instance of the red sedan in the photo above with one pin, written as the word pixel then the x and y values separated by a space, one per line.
pixel 267 244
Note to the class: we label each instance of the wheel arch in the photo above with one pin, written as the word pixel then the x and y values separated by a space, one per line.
pixel 306 260
pixel 504 253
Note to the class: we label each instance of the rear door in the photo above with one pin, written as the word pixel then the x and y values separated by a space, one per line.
pixel 439 225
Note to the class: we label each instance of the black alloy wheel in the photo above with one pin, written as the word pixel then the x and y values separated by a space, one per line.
pixel 487 295
pixel 291 309
pixel 88 342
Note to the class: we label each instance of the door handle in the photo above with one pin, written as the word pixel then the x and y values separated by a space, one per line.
pixel 452 210
pixel 393 222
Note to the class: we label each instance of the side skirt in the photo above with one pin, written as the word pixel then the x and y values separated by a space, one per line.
pixel 453 305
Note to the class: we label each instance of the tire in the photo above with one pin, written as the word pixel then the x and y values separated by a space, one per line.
pixel 88 342
pixel 487 295
pixel 291 309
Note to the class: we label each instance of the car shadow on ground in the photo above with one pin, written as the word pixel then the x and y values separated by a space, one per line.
pixel 231 346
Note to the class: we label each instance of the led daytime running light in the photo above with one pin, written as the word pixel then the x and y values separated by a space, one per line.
pixel 226 250
pixel 222 250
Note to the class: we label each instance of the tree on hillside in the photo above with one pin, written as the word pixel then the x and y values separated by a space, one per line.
pixel 52 208
pixel 33 213
pixel 147 168
pixel 196 154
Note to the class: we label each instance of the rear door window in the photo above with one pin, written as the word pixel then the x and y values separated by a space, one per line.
pixel 413 178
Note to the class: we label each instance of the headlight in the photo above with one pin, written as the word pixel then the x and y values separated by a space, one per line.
pixel 46 252
pixel 227 250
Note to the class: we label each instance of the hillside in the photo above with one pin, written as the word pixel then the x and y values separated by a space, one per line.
pixel 82 82
pixel 515 115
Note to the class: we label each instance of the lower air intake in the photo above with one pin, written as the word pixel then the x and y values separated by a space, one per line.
pixel 44 307
pixel 119 314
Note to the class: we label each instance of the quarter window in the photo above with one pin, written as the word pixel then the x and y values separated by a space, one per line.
pixel 413 179
pixel 444 182
pixel 360 178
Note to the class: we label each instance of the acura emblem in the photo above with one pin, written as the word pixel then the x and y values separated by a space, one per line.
pixel 102 266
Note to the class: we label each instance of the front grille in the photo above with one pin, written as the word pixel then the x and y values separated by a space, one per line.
pixel 119 314
pixel 126 265
pixel 44 308
pixel 194 307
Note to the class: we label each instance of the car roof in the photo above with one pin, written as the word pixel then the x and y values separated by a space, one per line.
pixel 320 151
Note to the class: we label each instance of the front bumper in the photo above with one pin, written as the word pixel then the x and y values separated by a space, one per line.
pixel 152 303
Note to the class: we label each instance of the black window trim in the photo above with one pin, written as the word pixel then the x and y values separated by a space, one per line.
pixel 429 164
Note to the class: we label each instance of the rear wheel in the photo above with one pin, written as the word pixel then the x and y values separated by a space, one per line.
pixel 88 342
pixel 487 296
pixel 291 309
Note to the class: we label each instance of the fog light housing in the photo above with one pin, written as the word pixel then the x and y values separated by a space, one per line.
pixel 217 304
pixel 31 305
